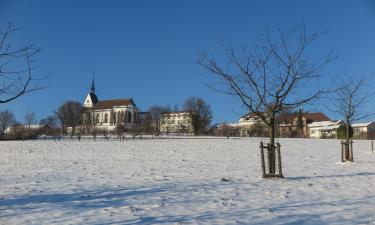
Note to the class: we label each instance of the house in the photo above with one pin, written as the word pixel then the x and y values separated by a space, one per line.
pixel 247 123
pixel 286 124
pixel 324 129
pixel 226 129
pixel 176 122
pixel 364 130
pixel 109 114
pixel 289 125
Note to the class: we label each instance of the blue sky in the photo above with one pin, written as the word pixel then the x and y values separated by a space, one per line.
pixel 143 49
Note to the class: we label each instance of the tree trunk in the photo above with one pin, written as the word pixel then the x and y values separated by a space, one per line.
pixel 347 139
pixel 271 151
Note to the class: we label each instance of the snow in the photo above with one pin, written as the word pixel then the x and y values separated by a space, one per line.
pixel 325 124
pixel 183 181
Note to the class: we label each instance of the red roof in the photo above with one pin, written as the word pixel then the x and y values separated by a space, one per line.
pixel 309 116
pixel 108 104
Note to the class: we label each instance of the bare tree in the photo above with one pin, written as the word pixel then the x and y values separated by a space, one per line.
pixel 29 119
pixel 200 114
pixel 276 73
pixel 15 67
pixel 7 119
pixel 350 100
pixel 50 125
pixel 69 114
pixel 50 121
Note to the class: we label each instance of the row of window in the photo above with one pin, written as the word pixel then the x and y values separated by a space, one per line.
pixel 174 122
pixel 119 116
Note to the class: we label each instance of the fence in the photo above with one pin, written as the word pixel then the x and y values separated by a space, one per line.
pixel 271 160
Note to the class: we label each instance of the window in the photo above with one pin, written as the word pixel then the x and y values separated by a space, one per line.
pixel 122 119
pixel 129 117
pixel 106 118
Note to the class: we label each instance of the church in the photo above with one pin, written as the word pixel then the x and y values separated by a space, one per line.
pixel 109 114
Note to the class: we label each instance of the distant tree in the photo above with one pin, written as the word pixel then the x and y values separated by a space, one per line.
pixel 7 119
pixel 145 124
pixel 341 132
pixel 350 100
pixel 69 115
pixel 29 119
pixel 299 124
pixel 15 67
pixel 200 114
pixel 50 121
pixel 49 125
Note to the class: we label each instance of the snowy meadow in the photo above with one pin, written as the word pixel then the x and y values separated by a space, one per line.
pixel 183 181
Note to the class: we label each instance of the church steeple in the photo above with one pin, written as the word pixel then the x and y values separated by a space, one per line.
pixel 91 98
pixel 92 86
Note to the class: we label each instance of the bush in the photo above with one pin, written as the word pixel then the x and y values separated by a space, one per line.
pixel 341 132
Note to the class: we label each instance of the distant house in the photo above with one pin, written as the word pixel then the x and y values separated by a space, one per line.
pixel 364 130
pixel 31 127
pixel 324 129
pixel 286 124
pixel 176 122
pixel 248 122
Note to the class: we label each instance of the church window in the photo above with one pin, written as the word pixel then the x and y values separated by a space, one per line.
pixel 122 119
pixel 129 117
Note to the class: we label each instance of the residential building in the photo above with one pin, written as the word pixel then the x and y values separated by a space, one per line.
pixel 176 122
pixel 287 125
pixel 364 130
pixel 324 129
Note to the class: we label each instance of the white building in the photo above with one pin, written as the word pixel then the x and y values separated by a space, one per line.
pixel 364 130
pixel 176 122
pixel 324 129
pixel 109 114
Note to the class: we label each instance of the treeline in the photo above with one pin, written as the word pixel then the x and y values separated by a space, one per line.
pixel 71 119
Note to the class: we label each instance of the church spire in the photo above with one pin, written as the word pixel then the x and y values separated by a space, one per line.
pixel 92 86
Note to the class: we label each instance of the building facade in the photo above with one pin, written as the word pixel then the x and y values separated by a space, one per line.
pixel 364 130
pixel 324 129
pixel 176 122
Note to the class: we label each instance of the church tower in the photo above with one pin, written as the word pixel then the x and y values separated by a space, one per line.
pixel 91 98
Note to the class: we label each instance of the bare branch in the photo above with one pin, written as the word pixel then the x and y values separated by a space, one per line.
pixel 15 68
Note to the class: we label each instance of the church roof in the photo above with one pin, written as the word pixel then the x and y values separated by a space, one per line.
pixel 108 104
pixel 93 97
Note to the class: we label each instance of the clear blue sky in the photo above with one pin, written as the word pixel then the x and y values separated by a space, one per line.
pixel 142 49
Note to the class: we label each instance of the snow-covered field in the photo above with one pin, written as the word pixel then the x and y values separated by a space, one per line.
pixel 180 181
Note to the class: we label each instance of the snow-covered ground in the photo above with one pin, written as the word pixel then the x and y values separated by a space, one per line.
pixel 180 181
